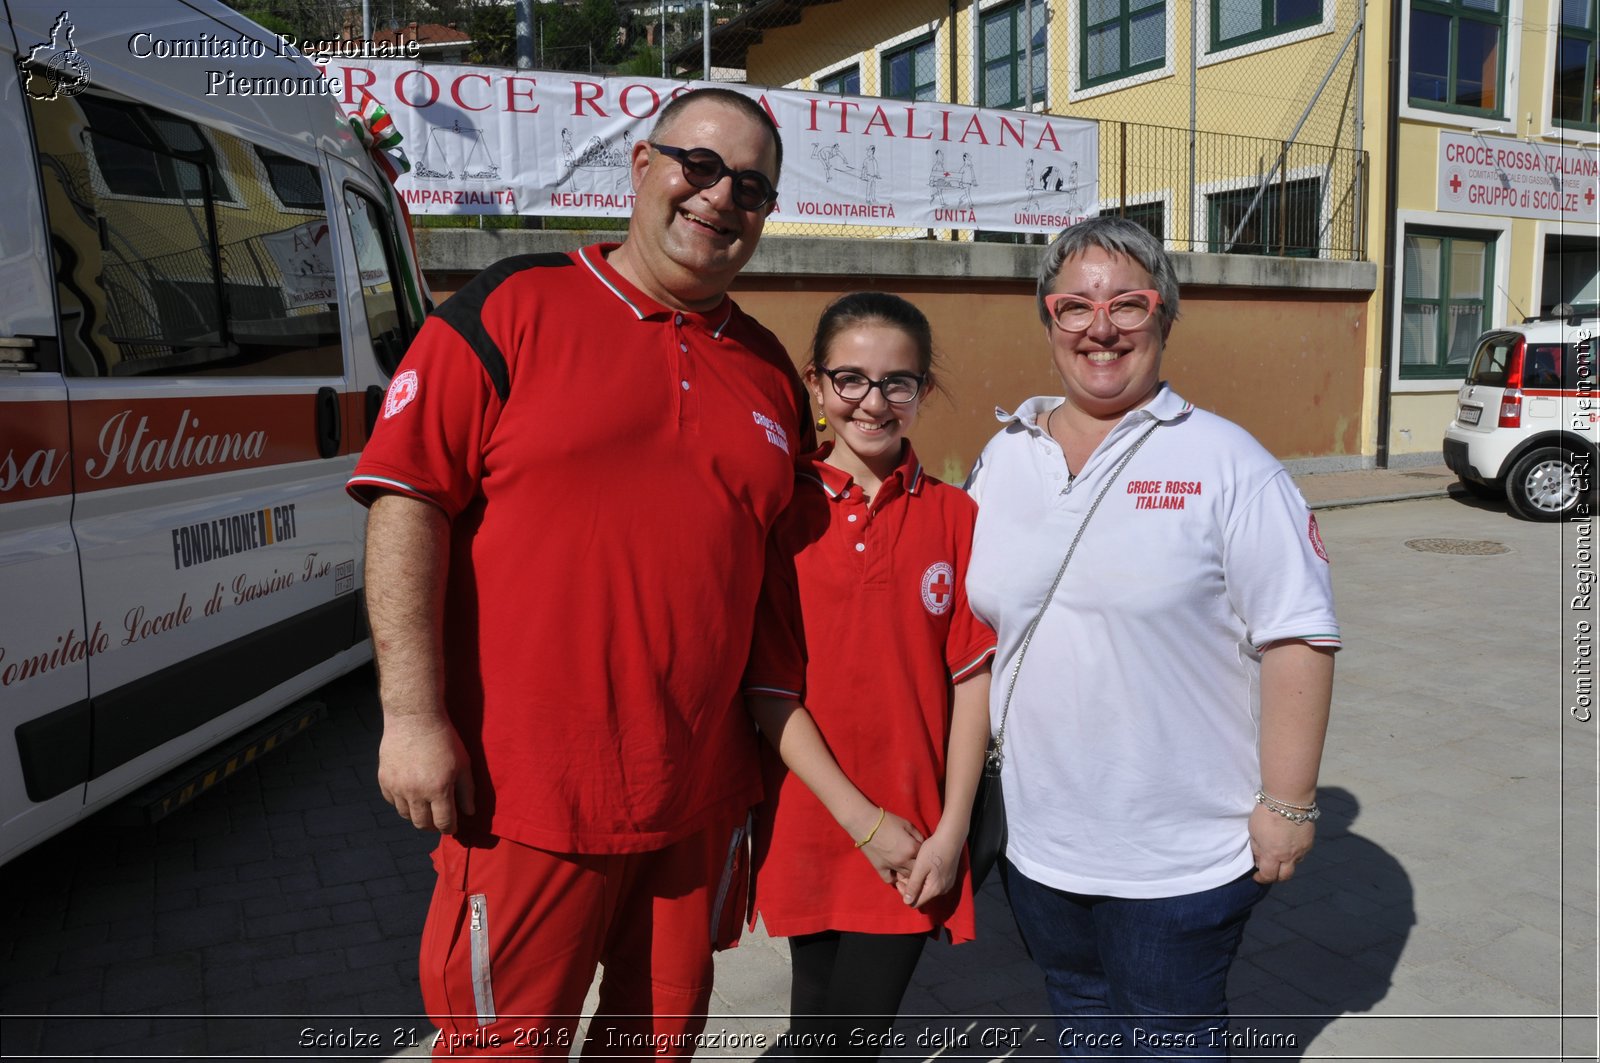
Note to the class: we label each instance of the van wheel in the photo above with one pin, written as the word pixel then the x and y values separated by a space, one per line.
pixel 1544 484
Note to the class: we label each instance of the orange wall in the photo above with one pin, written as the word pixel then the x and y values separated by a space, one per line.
pixel 1284 364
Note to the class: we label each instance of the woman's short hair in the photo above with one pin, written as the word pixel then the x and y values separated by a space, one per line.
pixel 1119 237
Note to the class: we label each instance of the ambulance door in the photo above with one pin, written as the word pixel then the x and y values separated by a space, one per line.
pixel 386 312
pixel 44 647
pixel 203 359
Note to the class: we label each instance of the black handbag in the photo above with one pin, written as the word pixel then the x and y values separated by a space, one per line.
pixel 986 837
pixel 986 834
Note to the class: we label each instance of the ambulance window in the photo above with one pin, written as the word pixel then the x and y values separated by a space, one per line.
pixel 388 320
pixel 295 183
pixel 175 254
pixel 132 146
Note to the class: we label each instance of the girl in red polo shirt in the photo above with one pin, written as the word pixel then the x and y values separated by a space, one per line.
pixel 870 679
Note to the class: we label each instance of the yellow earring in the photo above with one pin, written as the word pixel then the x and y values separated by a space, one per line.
pixel 822 424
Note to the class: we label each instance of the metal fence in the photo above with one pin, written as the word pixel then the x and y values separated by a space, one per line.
pixel 1226 125
pixel 1237 131
pixel 1235 194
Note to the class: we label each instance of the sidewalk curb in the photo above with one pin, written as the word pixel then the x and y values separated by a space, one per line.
pixel 1340 503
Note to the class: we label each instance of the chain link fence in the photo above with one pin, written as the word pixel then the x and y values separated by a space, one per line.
pixel 1238 130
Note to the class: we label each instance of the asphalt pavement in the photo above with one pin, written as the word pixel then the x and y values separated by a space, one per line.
pixel 1448 910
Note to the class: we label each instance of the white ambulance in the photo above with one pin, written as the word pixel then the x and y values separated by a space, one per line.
pixel 201 296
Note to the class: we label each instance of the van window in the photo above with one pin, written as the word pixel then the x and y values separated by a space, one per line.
pixel 133 146
pixel 177 251
pixel 295 184
pixel 388 323
pixel 1493 360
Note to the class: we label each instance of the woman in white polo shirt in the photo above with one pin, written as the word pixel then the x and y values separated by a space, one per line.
pixel 1164 693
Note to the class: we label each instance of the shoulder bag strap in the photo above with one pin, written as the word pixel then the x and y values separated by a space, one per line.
pixel 996 755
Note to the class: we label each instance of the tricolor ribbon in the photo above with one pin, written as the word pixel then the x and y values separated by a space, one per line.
pixel 376 130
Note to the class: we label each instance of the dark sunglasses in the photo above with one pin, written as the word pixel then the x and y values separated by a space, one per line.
pixel 703 168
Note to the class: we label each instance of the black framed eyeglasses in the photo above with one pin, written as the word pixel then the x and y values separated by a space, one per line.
pixel 898 388
pixel 703 168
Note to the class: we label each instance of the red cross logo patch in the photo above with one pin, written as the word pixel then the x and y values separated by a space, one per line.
pixel 1315 535
pixel 401 391
pixel 939 588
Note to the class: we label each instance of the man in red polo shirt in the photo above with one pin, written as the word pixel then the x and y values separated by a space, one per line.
pixel 571 485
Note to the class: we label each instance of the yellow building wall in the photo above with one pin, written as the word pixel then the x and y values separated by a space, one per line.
pixel 1420 412
pixel 1264 94
pixel 828 35
pixel 1375 74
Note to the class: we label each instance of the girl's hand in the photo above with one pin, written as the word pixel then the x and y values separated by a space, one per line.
pixel 934 873
pixel 893 849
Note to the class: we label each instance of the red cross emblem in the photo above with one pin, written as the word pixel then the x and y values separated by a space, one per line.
pixel 938 588
pixel 402 389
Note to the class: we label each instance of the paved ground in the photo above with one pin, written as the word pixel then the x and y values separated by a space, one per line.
pixel 1447 912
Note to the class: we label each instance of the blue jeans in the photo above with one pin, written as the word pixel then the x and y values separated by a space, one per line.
pixel 1135 977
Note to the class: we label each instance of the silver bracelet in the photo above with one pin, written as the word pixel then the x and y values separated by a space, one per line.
pixel 1292 813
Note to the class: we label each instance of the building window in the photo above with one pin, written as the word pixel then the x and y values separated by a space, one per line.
pixel 1457 55
pixel 1122 37
pixel 1284 220
pixel 1242 21
pixel 1444 303
pixel 846 82
pixel 1571 276
pixel 1152 217
pixel 1006 39
pixel 1577 83
pixel 909 72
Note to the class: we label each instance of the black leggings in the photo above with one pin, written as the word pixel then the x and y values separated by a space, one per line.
pixel 847 990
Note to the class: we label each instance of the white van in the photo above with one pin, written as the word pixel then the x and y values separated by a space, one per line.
pixel 198 315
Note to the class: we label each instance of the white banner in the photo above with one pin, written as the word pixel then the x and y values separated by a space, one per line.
pixel 488 140
pixel 1517 178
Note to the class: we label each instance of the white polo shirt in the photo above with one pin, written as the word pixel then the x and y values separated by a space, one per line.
pixel 1132 749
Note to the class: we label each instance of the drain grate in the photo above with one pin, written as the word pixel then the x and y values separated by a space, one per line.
pixel 1428 475
pixel 1478 547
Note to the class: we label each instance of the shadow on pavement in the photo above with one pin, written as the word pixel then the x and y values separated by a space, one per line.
pixel 1324 944
pixel 1480 498
pixel 278 915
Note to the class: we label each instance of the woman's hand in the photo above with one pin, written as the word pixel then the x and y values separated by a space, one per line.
pixel 934 873
pixel 893 849
pixel 1277 844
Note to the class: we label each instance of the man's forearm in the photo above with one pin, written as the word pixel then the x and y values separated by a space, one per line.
pixel 408 556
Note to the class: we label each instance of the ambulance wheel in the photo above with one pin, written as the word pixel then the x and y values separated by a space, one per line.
pixel 1547 483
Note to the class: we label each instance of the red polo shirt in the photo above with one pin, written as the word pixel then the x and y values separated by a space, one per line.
pixel 875 594
pixel 611 469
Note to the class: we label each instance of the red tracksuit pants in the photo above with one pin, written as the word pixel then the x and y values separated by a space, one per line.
pixel 514 934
